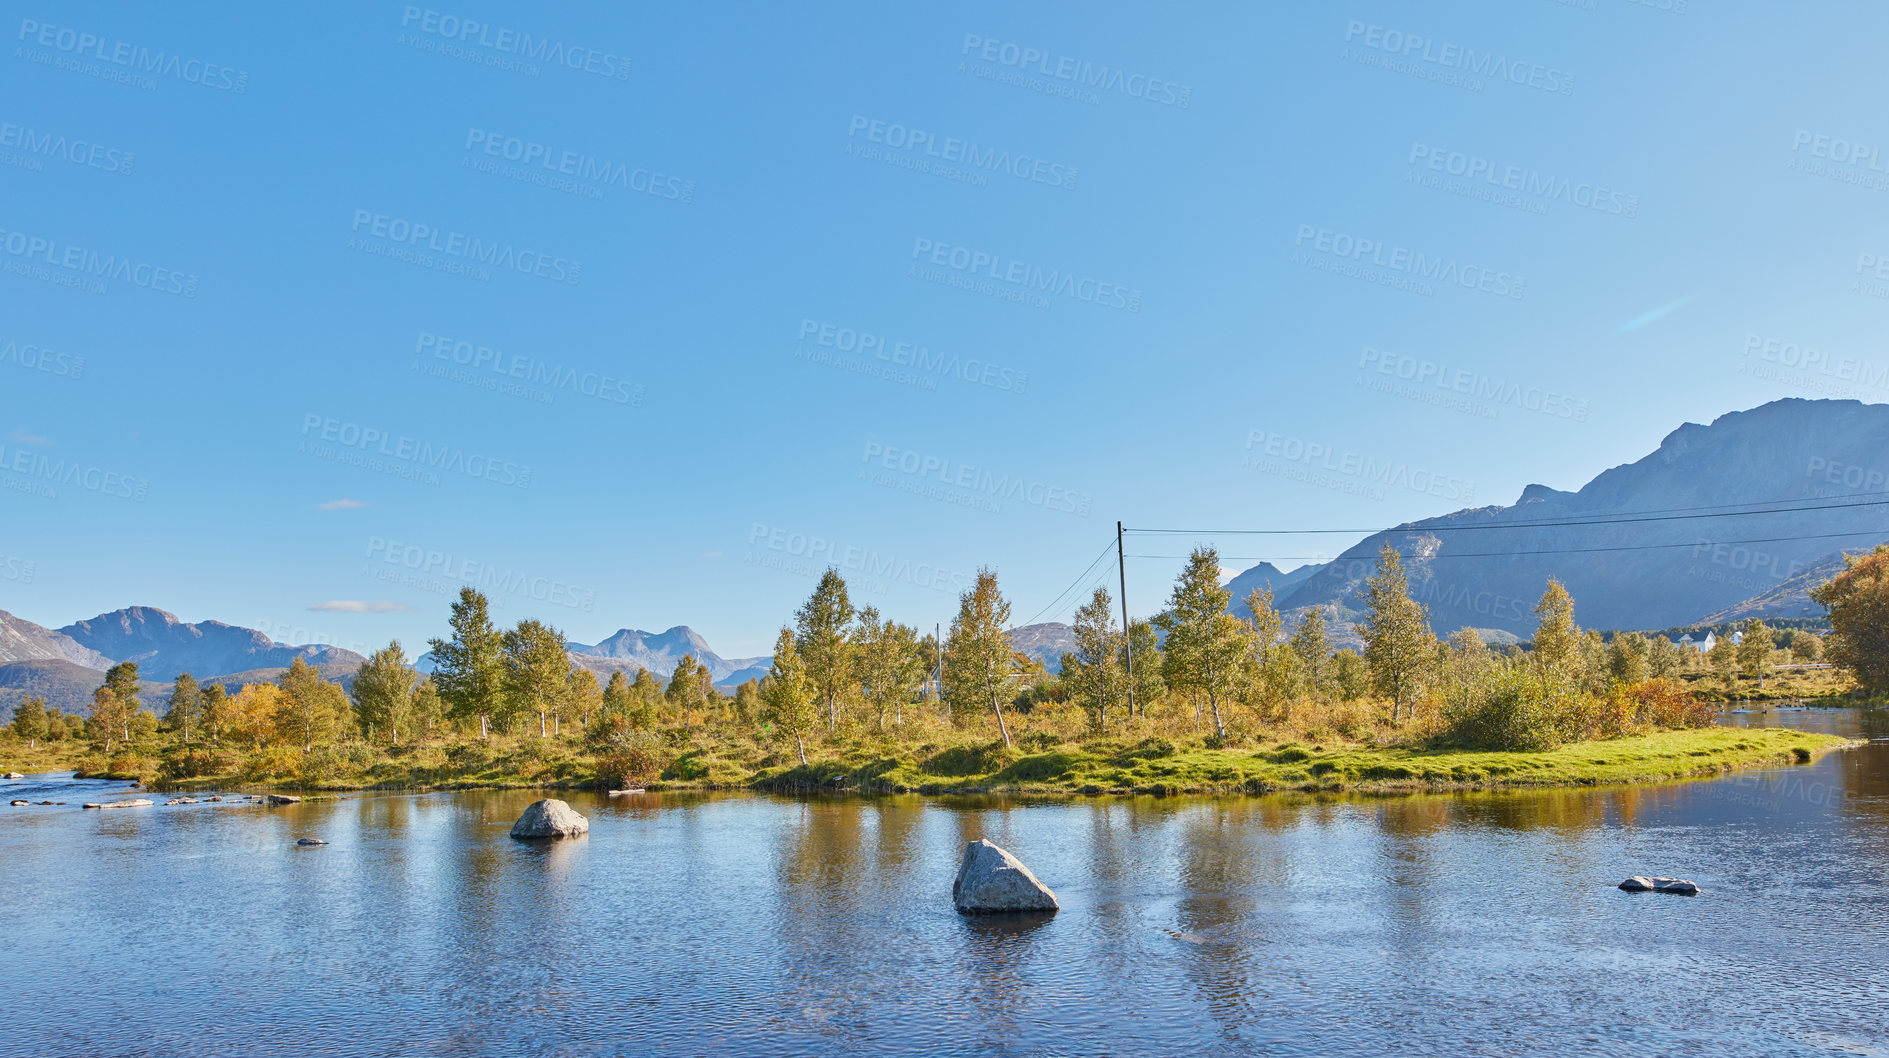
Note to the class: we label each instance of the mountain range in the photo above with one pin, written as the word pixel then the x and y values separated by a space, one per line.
pixel 1714 521
pixel 1739 518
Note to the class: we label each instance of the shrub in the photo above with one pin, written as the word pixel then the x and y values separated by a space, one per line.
pixel 1515 707
pixel 189 763
pixel 1667 703
pixel 272 764
pixel 635 759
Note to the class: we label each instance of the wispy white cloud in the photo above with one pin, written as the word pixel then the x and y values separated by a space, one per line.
pixel 358 606
pixel 343 505
pixel 25 438
pixel 1651 315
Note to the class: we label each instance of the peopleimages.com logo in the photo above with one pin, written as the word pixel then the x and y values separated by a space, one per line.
pixel 509 49
pixel 457 252
pixel 1361 258
pixel 1067 75
pixel 1455 59
pixel 398 455
pixel 135 64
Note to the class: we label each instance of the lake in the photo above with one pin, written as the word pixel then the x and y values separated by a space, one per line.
pixel 738 924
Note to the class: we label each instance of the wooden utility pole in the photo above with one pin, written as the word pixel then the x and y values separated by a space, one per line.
pixel 1128 646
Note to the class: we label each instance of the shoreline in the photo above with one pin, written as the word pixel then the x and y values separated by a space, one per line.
pixel 1162 769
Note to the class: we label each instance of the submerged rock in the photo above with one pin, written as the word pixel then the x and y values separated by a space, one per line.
pixel 550 818
pixel 139 803
pixel 283 799
pixel 1642 884
pixel 992 881
pixel 310 841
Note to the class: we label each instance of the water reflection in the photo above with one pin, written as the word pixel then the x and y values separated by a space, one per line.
pixel 686 923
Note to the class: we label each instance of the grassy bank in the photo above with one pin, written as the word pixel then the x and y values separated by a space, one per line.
pixel 1151 765
pixel 1159 766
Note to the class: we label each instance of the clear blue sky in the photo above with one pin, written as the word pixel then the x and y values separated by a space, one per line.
pixel 1228 222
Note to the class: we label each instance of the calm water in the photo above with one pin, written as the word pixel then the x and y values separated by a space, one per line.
pixel 1474 924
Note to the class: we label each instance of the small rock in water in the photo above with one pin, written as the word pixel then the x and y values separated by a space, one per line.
pixel 1643 884
pixel 49 802
pixel 22 802
pixel 992 881
pixel 213 799
pixel 15 775
pixel 310 841
pixel 550 818
pixel 139 803
pixel 283 799
pixel 631 790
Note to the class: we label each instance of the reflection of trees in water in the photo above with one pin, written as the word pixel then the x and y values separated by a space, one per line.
pixel 1231 867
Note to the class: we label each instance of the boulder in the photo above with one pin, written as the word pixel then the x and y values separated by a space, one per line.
pixel 1643 884
pixel 16 803
pixel 181 801
pixel 991 881
pixel 15 775
pixel 283 799
pixel 550 818
pixel 310 841
pixel 139 803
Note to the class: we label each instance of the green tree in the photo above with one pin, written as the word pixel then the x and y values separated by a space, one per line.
pixel 887 663
pixel 537 670
pixel 585 697
pixel 186 706
pixel 428 709
pixel 111 717
pixel 616 694
pixel 383 693
pixel 1205 645
pixel 979 666
pixel 1398 644
pixel 216 721
pixel 1754 650
pixel 469 668
pixel 311 709
pixel 1665 659
pixel 1723 657
pixel 1628 658
pixel 686 688
pixel 748 703
pixel 1351 676
pixel 1094 672
pixel 1557 648
pixel 1805 646
pixel 1142 661
pixel 788 694
pixel 820 637
pixel 29 720
pixel 1312 644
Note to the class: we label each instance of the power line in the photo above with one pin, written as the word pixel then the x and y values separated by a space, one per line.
pixel 1080 577
pixel 1878 534
pixel 1637 516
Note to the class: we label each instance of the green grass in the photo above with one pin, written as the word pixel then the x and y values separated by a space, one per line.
pixel 1656 757
pixel 879 764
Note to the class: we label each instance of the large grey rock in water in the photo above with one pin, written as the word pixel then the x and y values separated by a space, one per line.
pixel 1642 884
pixel 991 880
pixel 138 803
pixel 283 799
pixel 550 818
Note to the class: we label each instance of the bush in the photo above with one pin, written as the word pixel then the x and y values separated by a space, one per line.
pixel 331 763
pixel 189 763
pixel 1667 703
pixel 273 764
pixel 1514 707
pixel 635 760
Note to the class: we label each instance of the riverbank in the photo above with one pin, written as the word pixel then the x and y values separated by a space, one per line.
pixel 1160 767
pixel 1153 765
